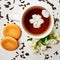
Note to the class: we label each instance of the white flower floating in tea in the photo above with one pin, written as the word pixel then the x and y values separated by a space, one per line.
pixel 45 13
pixel 36 21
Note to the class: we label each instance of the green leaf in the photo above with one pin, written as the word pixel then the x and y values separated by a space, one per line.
pixel 43 43
pixel 30 39
pixel 42 40
pixel 48 37
pixel 45 38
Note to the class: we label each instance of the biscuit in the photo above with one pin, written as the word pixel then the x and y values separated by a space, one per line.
pixel 12 30
pixel 9 43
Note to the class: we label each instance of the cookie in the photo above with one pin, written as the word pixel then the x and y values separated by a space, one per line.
pixel 9 43
pixel 12 30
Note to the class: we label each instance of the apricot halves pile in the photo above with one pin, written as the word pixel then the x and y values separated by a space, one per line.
pixel 11 32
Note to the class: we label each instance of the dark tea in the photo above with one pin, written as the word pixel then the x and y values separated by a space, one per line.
pixel 32 13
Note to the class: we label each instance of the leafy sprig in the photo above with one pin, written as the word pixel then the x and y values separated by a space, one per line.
pixel 29 39
pixel 42 40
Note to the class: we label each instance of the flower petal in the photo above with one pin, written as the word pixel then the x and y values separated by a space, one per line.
pixel 40 22
pixel 45 13
pixel 43 48
pixel 36 25
pixel 34 16
pixel 31 21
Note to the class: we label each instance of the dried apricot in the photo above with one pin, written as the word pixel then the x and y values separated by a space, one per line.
pixel 12 30
pixel 9 43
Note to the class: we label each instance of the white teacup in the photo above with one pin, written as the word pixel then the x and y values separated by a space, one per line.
pixel 47 32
